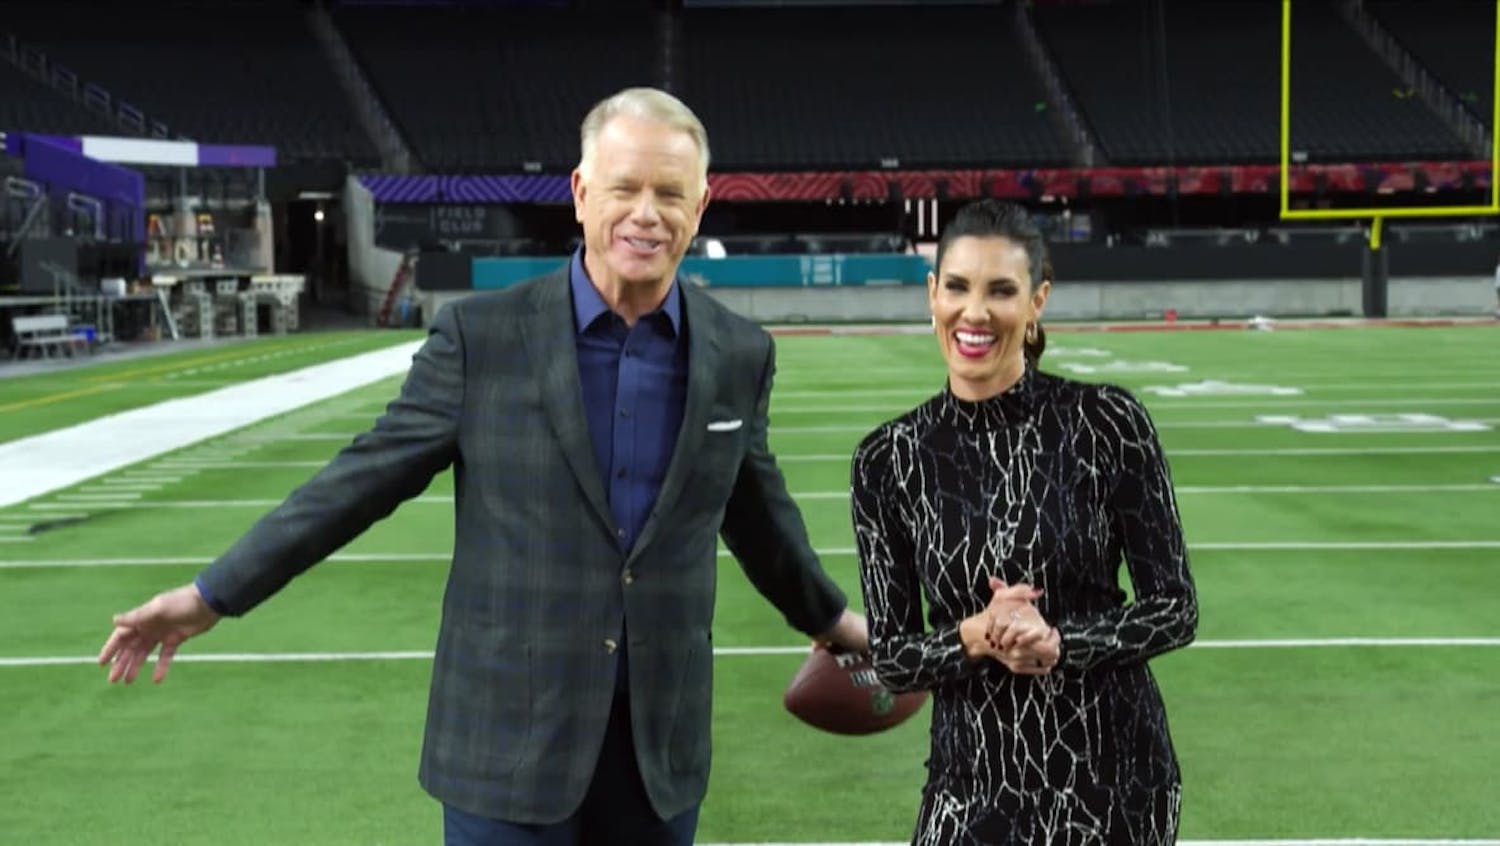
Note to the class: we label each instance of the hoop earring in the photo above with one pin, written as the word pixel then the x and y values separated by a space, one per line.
pixel 1031 332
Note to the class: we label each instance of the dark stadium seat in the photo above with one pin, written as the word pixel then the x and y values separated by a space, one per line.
pixel 856 88
pixel 229 72
pixel 33 106
pixel 1453 39
pixel 494 89
pixel 1211 94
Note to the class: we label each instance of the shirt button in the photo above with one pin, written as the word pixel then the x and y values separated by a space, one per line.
pixel 610 646
pixel 620 533
pixel 620 474
pixel 624 412
pixel 628 577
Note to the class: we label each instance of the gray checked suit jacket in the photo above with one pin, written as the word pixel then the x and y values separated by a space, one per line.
pixel 538 587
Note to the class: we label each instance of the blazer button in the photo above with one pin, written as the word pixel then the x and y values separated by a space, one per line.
pixel 628 577
pixel 610 646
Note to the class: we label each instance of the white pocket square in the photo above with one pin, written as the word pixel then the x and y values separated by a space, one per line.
pixel 724 425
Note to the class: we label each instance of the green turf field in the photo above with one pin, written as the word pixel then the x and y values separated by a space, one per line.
pixel 1346 682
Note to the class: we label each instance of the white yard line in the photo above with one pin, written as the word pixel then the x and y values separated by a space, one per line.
pixel 210 464
pixel 222 463
pixel 1311 451
pixel 445 557
pixel 729 651
pixel 71 500
pixel 1269 404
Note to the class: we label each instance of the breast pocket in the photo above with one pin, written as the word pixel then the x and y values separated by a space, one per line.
pixel 721 450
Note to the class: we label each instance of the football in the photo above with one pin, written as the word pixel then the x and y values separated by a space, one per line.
pixel 838 692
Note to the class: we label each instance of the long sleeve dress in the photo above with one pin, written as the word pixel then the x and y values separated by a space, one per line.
pixel 1053 482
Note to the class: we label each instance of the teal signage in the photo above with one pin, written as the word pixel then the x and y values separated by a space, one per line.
pixel 780 271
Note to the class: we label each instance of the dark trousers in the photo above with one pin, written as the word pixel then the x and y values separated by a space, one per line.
pixel 615 811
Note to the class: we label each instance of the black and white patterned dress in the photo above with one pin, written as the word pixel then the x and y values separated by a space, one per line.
pixel 1053 482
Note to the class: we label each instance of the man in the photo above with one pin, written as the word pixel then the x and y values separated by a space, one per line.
pixel 605 423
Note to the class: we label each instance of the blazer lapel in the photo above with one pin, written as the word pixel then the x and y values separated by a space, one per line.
pixel 703 363
pixel 550 343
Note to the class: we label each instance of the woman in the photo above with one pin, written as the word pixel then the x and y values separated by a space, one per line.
pixel 1007 502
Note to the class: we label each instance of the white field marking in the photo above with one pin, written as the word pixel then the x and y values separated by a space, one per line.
pixel 445 557
pixel 20 539
pixel 118 489
pixel 236 465
pixel 1331 489
pixel 1267 403
pixel 116 481
pixel 44 463
pixel 927 389
pixel 1125 366
pixel 49 516
pixel 1306 451
pixel 220 463
pixel 128 500
pixel 736 651
pixel 273 437
pixel 1273 402
pixel 1366 423
pixel 793 458
pixel 863 429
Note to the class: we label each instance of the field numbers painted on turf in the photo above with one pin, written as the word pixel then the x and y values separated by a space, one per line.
pixel 1374 423
pixel 1125 367
pixel 1215 388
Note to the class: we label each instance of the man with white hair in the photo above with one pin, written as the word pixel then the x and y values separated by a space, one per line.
pixel 607 424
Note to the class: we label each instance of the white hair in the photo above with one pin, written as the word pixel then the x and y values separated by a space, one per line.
pixel 650 104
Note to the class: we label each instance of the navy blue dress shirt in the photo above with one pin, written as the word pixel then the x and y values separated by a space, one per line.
pixel 634 381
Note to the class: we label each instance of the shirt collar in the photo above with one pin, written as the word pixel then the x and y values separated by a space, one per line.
pixel 588 304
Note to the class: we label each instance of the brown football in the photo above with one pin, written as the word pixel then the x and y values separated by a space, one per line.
pixel 839 692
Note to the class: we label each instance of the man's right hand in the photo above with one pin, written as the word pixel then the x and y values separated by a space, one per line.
pixel 166 620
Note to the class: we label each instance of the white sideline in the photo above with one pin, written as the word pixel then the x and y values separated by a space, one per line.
pixel 53 460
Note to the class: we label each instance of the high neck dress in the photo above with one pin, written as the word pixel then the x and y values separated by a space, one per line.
pixel 1056 483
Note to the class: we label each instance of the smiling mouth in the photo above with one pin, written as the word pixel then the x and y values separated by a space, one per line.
pixel 972 344
pixel 646 246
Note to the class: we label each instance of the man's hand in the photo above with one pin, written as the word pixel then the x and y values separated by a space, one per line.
pixel 851 633
pixel 166 620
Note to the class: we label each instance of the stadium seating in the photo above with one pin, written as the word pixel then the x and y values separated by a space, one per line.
pixel 478 89
pixel 34 106
pixel 1453 39
pixel 854 88
pixel 1198 82
pixel 230 72
pixel 496 88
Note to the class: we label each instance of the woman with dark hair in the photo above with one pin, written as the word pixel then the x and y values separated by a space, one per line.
pixel 1007 503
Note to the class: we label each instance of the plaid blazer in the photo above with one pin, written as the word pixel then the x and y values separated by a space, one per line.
pixel 538 587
